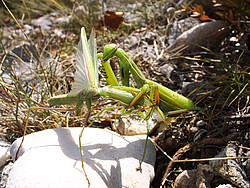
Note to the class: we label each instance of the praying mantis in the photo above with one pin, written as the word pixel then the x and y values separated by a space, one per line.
pixel 149 96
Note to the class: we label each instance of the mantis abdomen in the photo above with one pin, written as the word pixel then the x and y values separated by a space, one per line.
pixel 171 99
pixel 120 95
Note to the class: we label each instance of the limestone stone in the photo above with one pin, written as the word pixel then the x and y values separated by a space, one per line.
pixel 51 158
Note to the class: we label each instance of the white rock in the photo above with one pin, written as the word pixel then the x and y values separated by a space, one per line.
pixel 4 152
pixel 225 186
pixel 51 158
pixel 134 125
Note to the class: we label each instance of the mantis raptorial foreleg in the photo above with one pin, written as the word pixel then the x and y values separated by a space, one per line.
pixel 108 72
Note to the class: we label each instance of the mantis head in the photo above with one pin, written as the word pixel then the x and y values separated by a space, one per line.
pixel 109 51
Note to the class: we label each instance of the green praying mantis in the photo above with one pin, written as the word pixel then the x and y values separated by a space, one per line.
pixel 148 97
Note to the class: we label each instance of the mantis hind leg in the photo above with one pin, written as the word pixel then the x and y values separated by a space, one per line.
pixel 80 145
pixel 143 91
pixel 80 135
pixel 145 148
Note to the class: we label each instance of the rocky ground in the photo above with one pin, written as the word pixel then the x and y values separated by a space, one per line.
pixel 155 42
